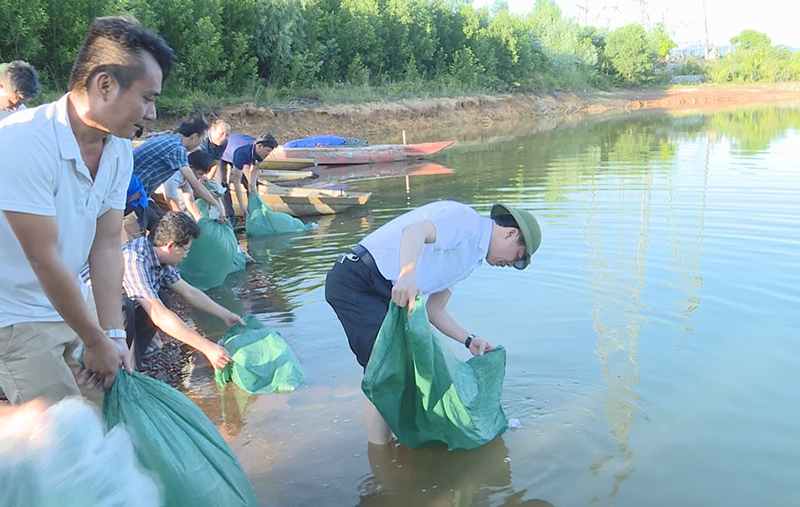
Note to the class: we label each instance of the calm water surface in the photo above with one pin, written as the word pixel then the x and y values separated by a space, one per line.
pixel 653 344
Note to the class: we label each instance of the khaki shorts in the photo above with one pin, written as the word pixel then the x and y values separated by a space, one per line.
pixel 36 361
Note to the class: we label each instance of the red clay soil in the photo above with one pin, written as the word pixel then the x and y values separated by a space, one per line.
pixel 374 121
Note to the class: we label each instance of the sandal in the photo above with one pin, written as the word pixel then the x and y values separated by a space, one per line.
pixel 152 349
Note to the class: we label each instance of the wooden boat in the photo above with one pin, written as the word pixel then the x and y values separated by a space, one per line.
pixel 336 155
pixel 302 202
pixel 338 174
pixel 287 164
pixel 276 175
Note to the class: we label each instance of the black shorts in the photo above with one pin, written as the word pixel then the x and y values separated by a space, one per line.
pixel 360 296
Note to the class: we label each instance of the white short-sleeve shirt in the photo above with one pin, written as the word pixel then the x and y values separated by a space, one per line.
pixel 42 173
pixel 172 188
pixel 462 242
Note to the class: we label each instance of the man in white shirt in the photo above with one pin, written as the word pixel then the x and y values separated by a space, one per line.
pixel 19 83
pixel 176 193
pixel 424 252
pixel 62 194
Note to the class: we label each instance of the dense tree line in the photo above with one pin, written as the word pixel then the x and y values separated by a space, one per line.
pixel 754 59
pixel 229 47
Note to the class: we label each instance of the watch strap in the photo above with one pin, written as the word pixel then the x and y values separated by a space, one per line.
pixel 116 334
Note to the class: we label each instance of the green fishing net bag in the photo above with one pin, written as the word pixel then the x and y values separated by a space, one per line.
pixel 261 221
pixel 175 441
pixel 425 394
pixel 211 256
pixel 262 360
pixel 239 261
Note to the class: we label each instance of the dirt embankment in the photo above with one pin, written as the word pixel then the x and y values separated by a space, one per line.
pixel 376 120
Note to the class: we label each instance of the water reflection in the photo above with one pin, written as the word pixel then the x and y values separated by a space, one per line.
pixel 664 237
pixel 402 477
pixel 618 314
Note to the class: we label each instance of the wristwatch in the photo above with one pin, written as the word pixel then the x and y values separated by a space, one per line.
pixel 469 340
pixel 116 334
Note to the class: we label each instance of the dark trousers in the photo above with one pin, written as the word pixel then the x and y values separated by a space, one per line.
pixel 138 327
pixel 227 203
pixel 138 220
pixel 360 296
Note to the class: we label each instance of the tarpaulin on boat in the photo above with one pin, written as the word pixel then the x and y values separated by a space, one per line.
pixel 325 140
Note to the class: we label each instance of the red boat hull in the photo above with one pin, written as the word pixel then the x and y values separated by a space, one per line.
pixel 338 155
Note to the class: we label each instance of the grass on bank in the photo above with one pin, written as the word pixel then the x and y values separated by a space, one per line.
pixel 175 103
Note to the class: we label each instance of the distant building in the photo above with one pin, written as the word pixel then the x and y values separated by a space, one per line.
pixel 698 51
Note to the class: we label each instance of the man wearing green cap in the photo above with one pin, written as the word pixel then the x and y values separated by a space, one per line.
pixel 424 252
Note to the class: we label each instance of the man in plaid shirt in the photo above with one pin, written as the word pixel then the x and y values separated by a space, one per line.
pixel 150 266
pixel 155 161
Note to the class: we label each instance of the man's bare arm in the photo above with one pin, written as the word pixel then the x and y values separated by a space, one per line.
pixel 38 236
pixel 105 268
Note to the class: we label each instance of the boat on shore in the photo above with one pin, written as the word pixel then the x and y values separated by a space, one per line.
pixel 347 155
pixel 283 175
pixel 287 164
pixel 339 174
pixel 304 202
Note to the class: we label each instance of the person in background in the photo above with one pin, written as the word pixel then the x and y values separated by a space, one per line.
pixel 176 193
pixel 135 219
pixel 214 144
pixel 156 160
pixel 244 154
pixel 424 252
pixel 62 196
pixel 150 266
pixel 19 83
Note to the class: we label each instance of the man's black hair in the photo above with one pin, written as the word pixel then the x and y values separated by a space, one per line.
pixel 22 78
pixel 267 140
pixel 174 226
pixel 115 44
pixel 192 126
pixel 506 220
pixel 199 161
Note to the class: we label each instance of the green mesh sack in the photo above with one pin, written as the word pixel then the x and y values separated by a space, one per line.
pixel 202 207
pixel 261 221
pixel 177 443
pixel 262 360
pixel 425 394
pixel 239 261
pixel 211 256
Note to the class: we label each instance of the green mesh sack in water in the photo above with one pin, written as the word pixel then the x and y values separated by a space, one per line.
pixel 211 256
pixel 262 360
pixel 261 221
pixel 177 443
pixel 239 261
pixel 426 394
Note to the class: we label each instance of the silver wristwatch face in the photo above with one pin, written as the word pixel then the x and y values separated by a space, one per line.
pixel 116 334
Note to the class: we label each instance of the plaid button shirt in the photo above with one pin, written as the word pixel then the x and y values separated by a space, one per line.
pixel 144 275
pixel 158 159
